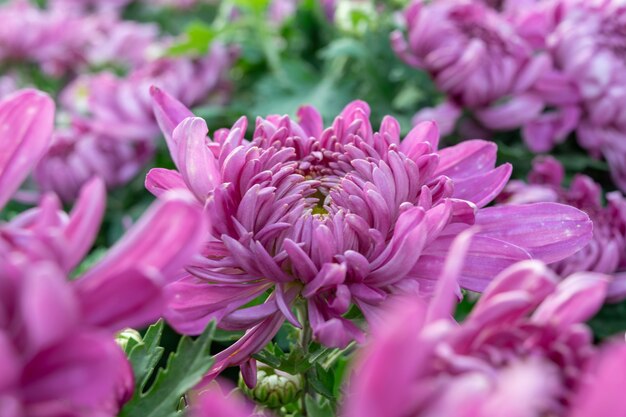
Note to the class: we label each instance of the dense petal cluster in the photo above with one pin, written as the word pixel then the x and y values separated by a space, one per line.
pixel 524 350
pixel 549 67
pixel 606 252
pixel 326 218
pixel 57 352
pixel 476 58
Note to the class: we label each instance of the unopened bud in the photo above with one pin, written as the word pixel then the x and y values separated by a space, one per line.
pixel 274 388
pixel 125 336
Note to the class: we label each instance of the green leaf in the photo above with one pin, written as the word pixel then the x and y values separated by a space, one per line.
pixel 322 381
pixel 145 356
pixel 198 38
pixel 185 369
pixel 609 321
pixel 321 408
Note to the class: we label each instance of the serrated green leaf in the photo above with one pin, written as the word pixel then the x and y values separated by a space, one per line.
pixel 145 356
pixel 321 408
pixel 185 369
pixel 322 381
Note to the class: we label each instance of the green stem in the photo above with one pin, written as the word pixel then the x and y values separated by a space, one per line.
pixel 305 342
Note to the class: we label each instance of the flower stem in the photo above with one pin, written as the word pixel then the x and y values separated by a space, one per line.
pixel 305 342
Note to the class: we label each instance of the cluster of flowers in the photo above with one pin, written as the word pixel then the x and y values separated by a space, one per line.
pixel 105 126
pixel 318 220
pixel 549 67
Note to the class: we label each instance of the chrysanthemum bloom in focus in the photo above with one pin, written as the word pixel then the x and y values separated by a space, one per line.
pixel 523 351
pixel 477 59
pixel 606 252
pixel 57 352
pixel 324 219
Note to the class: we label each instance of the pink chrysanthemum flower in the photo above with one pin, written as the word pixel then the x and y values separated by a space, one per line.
pixel 112 130
pixel 523 351
pixel 327 218
pixel 606 252
pixel 57 353
pixel 476 58
pixel 586 42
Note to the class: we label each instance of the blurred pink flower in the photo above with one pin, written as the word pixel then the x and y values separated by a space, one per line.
pixel 337 216
pixel 476 58
pixel 57 352
pixel 523 351
pixel 113 131
pixel 606 252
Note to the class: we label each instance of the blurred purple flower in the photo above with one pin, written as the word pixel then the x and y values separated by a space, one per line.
pixel 523 351
pixel 606 252
pixel 113 130
pixel 327 218
pixel 586 42
pixel 476 58
pixel 57 353
pixel 55 39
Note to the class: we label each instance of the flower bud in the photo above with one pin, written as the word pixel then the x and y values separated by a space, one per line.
pixel 274 388
pixel 125 336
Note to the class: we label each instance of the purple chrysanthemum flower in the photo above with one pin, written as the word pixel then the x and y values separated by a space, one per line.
pixel 112 130
pixel 606 252
pixel 57 352
pixel 476 58
pixel 330 218
pixel 523 351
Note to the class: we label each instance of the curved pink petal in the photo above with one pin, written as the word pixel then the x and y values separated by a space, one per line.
pixel 26 123
pixel 483 188
pixel 575 300
pixel 165 238
pixel 161 180
pixel 467 159
pixel 169 113
pixel 84 223
pixel 83 371
pixel 198 165
pixel 548 231
pixel 48 305
pixel 129 298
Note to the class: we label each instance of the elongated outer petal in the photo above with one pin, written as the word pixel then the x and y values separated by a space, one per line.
pixel 548 231
pixel 602 394
pixel 87 370
pixel 576 300
pixel 169 112
pixel 485 258
pixel 386 369
pixel 84 223
pixel 192 303
pixel 423 132
pixel 444 300
pixel 10 366
pixel 467 159
pixel 165 238
pixel 130 298
pixel 160 180
pixel 513 293
pixel 48 306
pixel 483 188
pixel 197 163
pixel 26 123
pixel 513 114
